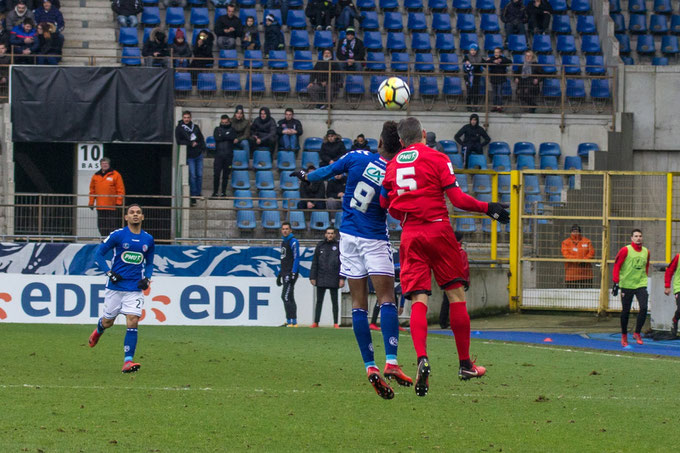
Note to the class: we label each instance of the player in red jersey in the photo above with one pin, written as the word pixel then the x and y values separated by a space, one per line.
pixel 413 190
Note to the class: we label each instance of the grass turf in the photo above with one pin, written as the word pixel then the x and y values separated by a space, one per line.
pixel 278 389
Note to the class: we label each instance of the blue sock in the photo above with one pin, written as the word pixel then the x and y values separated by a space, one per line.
pixel 363 335
pixel 100 327
pixel 389 324
pixel 130 344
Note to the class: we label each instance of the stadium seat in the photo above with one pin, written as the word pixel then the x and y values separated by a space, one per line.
pixel 585 25
pixel 450 147
pixel 253 58
pixel 264 179
pixel 576 88
pixel 219 12
pixel 393 224
pixel 428 87
pixel 375 61
pixel 465 23
pixel 437 5
pixel 206 84
pixel 485 6
pixel 456 160
pixel 354 87
pixel 365 5
pixel 348 143
pixel 400 61
pixel 663 7
pixel 499 148
pixel 228 59
pixel 372 144
pixel 462 180
pixel 548 163
pixel 246 3
pixel 277 59
pixel 504 184
pixel 462 5
pixel 466 225
pixel 524 148
pixel 590 44
pixel 174 16
pixel 285 160
pixel 296 20
pixel 267 199
pixel 645 45
pixel 231 83
pixel 297 220
pixel 599 88
pixel 373 41
pixel 468 39
pixel 244 199
pixel 246 220
pixel 549 149
pixel 413 5
pixel 542 44
pixel 323 39
pixel 244 13
pixel 199 17
pixel 669 45
pixel 240 179
pixel 240 160
pixel 558 6
pixel 310 157
pixel 595 65
pixel 392 21
pixel 131 56
pixel 319 220
pixel 441 23
pixel 637 6
pixel 290 199
pixel 477 161
pixel 614 6
pixel 289 182
pixel 301 83
pixel 396 42
pixel 271 220
pixel 302 60
pixel 489 23
pixel 580 6
pixel 420 42
pixel 151 16
pixel 257 86
pixel 637 23
pixel 533 204
pixel 624 43
pixel 553 184
pixel 561 24
pixel 452 88
pixel 299 40
pixel 571 64
pixel 572 163
pixel 551 88
pixel 370 21
pixel 619 23
pixel 525 162
pixel 491 41
pixel 210 142
pixel 658 23
pixel 501 162
pixel 262 160
pixel 531 185
pixel 448 62
pixel 127 36
pixel 312 144
pixel 388 5
pixel 424 62
pixel 517 43
pixel 675 24
pixel 566 44
pixel 584 149
pixel 444 43
pixel 547 63
pixel 416 22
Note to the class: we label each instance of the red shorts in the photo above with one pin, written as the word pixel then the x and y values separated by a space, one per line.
pixel 427 248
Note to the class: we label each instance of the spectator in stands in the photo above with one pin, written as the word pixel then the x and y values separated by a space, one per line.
pixel 498 68
pixel 318 85
pixel 431 141
pixel 180 50
pixel 50 44
pixel 106 193
pixel 228 28
pixel 17 15
pixel 312 194
pixel 335 189
pixel 241 126
pixel 539 12
pixel 320 13
pixel 189 134
pixel 350 52
pixel 360 143
pixel 127 11
pixel 25 42
pixel 577 247
pixel 156 49
pixel 48 13
pixel 203 56
pixel 528 84
pixel 263 131
pixel 250 40
pixel 273 37
pixel 473 68
pixel 224 136
pixel 347 14
pixel 332 148
pixel 5 61
pixel 514 16
pixel 289 130
pixel 180 3
pixel 4 35
pixel 280 5
pixel 472 138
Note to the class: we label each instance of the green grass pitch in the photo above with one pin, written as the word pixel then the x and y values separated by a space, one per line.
pixel 278 389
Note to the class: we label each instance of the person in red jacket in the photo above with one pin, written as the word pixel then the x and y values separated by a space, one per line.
pixel 107 191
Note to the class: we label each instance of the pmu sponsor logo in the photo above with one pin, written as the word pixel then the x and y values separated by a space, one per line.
pixel 374 174
pixel 407 157
pixel 132 257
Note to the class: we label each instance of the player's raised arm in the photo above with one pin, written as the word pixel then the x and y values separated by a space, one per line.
pixel 338 167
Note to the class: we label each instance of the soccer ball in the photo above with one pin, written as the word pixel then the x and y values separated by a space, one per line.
pixel 394 94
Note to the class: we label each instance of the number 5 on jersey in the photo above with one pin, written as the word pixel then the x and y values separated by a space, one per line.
pixel 405 179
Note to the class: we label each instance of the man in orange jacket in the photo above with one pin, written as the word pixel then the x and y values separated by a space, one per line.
pixel 577 247
pixel 107 190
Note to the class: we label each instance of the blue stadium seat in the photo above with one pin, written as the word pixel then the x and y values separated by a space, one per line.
pixel 525 162
pixel 549 149
pixel 477 161
pixel 373 40
pixel 400 61
pixel 580 6
pixel 637 6
pixel 416 22
pixel 590 44
pixel 452 87
pixel 485 6
pixel 456 161
pixel 450 147
pixel 299 39
pixel 244 199
pixel 465 23
pixel 290 199
pixel 501 162
pixel 553 184
pixel 504 185
pixel 207 83
pixel 337 221
pixel 533 204
pixel 658 23
pixel 210 142
pixel 441 23
pixel 551 88
pixel 147 34
pixel 467 39
pixel 246 3
pixel 571 64
pixel 645 45
pixel 585 25
pixel 149 2
pixel 297 220
pixel 285 160
pixel 619 23
pixel 518 60
pixel 262 160
pixel 462 178
pixel 572 163
pixel 348 143
pixel 491 41
pixel 548 163
pixel 246 220
pixel 301 83
pixel 561 24
pixel 420 42
pixel 663 7
pixel 675 24
pixel 566 44
pixel 599 88
pixel 354 84
pixel 296 20
pixel 424 62
pixel 254 58
pixel 437 5
pixel 614 6
pixel 466 225
pixel 462 5
pixel 489 23
pixel 319 220
pixel 199 17
pixel 637 23
pixel 558 6
pixel 372 144
pixel 267 199
pixel 542 44
pixel 669 45
pixel 264 179
pixel 231 83
pixel 271 220
pixel 131 57
pixel 257 83
pixel 127 36
pixel 240 161
pixel 584 149
pixel 364 5
pixel 174 16
pixel 240 179
pixel 517 43
pixel 244 13
pixel 624 43
pixel 219 12
pixel 151 16
pixel 547 63
pixel 496 148
pixel 228 59
pixel 393 224
pixel 448 62
pixel 370 21
pixel 595 65
pixel 278 59
pixel 392 21
pixel 524 148
pixel 289 182
pixel 413 5
pixel 312 144
pixel 444 43
pixel 576 88
pixel 375 61
pixel 323 39
pixel 310 157
pixel 428 86
pixel 396 42
pixel 302 60
pixel 387 5
pixel 531 185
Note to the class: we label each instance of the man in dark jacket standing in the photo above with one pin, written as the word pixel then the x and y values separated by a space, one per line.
pixel 472 138
pixel 224 136
pixel 290 131
pixel 227 28
pixel 263 131
pixel 127 11
pixel 288 275
pixel 325 274
pixel 498 68
pixel 189 134
pixel 514 16
pixel 350 51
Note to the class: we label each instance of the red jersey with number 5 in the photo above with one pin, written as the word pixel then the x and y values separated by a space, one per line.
pixel 416 181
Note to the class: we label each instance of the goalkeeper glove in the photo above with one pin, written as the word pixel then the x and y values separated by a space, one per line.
pixel 498 211
pixel 301 175
pixel 143 284
pixel 115 278
pixel 278 280
pixel 615 290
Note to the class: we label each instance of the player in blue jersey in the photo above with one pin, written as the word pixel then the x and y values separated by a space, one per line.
pixel 365 251
pixel 288 275
pixel 129 275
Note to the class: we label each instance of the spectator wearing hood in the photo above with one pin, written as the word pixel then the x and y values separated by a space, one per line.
pixel 472 138
pixel 156 50
pixel 289 130
pixel 24 39
pixel 127 11
pixel 263 131
pixel 241 126
pixel 250 40
pixel 228 28
pixel 189 134
pixel 360 143
pixel 431 141
pixel 224 136
pixel 350 51
pixel 17 15
pixel 48 13
pixel 203 56
pixel 514 16
pixel 273 38
pixel 180 50
pixel 50 44
pixel 318 81
pixel 498 68
pixel 473 68
pixel 332 148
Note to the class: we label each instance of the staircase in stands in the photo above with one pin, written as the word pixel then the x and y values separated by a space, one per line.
pixel 90 32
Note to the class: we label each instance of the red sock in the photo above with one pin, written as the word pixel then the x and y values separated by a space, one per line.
pixel 419 328
pixel 460 325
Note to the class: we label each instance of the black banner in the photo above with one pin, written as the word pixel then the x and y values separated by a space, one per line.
pixel 91 104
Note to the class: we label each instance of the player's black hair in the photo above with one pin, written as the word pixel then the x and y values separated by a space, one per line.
pixel 636 230
pixel 186 112
pixel 132 206
pixel 329 228
pixel 389 138
pixel 224 117
pixel 290 110
pixel 285 223
pixel 410 131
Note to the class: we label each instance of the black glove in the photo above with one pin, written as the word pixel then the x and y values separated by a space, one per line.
pixel 115 278
pixel 143 284
pixel 91 208
pixel 300 174
pixel 278 280
pixel 498 211
pixel 615 290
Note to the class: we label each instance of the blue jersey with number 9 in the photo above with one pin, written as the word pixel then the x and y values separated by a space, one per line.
pixel 362 215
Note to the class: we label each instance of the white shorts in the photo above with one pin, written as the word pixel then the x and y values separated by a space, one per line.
pixel 125 302
pixel 361 257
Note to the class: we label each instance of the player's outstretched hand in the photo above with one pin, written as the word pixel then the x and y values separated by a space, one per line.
pixel 115 278
pixel 615 290
pixel 143 284
pixel 499 211
pixel 278 280
pixel 300 174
